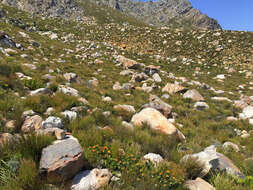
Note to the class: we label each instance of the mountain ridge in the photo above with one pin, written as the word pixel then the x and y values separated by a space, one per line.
pixel 164 13
pixel 170 13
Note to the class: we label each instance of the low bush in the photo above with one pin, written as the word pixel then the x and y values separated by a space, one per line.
pixel 161 177
pixel 192 168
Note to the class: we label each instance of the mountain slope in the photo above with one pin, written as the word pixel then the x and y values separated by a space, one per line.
pixel 89 80
pixel 164 13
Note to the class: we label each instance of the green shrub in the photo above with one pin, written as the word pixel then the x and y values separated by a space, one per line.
pixel 25 178
pixel 53 87
pixel 33 84
pixel 131 165
pixel 8 69
pixel 38 104
pixel 5 70
pixel 192 168
pixel 247 181
pixel 29 146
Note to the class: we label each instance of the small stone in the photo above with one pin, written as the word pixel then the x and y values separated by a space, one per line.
pixel 201 106
pixel 28 113
pixel 230 145
pixel 125 108
pixel 5 138
pixel 10 125
pixel 50 111
pixel 194 95
pixel 154 158
pixel 70 115
pixel 231 118
pixel 157 78
pixel 127 125
pixel 52 122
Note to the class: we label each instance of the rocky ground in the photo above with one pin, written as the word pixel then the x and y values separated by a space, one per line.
pixel 115 104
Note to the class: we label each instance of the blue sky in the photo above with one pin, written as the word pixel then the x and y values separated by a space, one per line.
pixel 231 14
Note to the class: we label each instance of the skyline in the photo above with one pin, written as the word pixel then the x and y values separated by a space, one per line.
pixel 230 14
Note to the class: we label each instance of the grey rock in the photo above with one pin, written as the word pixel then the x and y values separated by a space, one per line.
pixel 166 96
pixel 157 78
pixel 214 161
pixel 247 112
pixel 68 90
pixel 70 115
pixel 230 145
pixel 138 77
pixel 7 42
pixel 2 13
pixel 52 122
pixel 70 77
pixel 159 105
pixel 127 86
pixel 126 72
pixel 201 105
pixel 62 160
pixel 41 91
pixel 194 95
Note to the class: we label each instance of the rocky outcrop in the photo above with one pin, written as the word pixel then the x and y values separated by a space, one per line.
pixel 164 13
pixel 54 8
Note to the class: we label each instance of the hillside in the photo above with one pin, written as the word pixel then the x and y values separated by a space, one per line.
pixel 108 102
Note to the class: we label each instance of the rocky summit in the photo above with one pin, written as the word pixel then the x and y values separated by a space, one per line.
pixel 101 95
